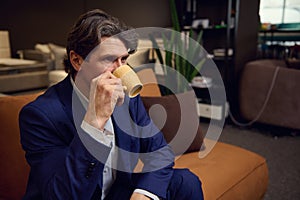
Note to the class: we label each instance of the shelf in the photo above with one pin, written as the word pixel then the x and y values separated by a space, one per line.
pixel 222 58
pixel 279 35
pixel 216 112
pixel 224 28
pixel 203 93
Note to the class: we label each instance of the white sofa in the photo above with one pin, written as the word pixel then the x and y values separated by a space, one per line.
pixel 18 74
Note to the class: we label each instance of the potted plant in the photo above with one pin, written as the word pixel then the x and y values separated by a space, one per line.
pixel 181 58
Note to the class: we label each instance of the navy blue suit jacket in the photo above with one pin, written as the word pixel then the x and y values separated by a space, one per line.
pixel 58 151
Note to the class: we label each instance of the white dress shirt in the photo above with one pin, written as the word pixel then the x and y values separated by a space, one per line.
pixel 106 137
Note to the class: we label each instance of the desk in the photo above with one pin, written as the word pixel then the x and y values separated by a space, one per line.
pixel 276 43
pixel 280 35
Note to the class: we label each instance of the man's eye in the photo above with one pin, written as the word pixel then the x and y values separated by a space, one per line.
pixel 124 58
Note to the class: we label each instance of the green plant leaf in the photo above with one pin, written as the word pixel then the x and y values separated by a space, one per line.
pixel 157 49
pixel 198 67
pixel 174 16
pixel 186 53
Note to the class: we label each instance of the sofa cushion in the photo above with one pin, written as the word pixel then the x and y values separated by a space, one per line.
pixel 293 60
pixel 181 130
pixel 14 168
pixel 293 63
pixel 191 136
pixel 59 53
pixel 141 55
pixel 44 48
pixel 228 172
pixel 32 54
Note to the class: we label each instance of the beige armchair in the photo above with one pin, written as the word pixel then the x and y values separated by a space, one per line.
pixel 4 45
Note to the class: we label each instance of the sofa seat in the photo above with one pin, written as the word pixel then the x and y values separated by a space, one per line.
pixel 228 172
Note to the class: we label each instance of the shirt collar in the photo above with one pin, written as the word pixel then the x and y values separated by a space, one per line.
pixel 81 97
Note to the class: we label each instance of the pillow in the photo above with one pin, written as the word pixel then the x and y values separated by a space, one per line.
pixel 142 54
pixel 293 63
pixel 35 54
pixel 172 121
pixel 293 60
pixel 43 48
pixel 140 57
pixel 59 53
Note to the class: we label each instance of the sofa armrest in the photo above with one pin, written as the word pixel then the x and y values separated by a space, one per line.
pixel 283 106
pixel 32 54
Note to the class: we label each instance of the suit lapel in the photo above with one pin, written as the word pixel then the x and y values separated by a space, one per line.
pixel 125 130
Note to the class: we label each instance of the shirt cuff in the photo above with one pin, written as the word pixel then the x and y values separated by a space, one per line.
pixel 104 137
pixel 146 193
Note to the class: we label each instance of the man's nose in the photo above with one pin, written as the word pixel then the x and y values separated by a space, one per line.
pixel 119 62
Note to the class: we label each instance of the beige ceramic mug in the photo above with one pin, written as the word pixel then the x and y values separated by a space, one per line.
pixel 130 80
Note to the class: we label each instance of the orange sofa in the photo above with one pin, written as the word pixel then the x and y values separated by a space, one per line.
pixel 227 172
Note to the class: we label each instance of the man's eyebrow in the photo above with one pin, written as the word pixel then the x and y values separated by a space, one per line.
pixel 108 56
pixel 113 57
pixel 125 55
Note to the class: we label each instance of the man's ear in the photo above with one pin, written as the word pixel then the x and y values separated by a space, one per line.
pixel 76 60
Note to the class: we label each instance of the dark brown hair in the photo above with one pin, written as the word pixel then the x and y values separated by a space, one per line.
pixel 86 34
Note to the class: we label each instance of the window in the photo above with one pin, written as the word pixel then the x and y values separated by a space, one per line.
pixel 279 11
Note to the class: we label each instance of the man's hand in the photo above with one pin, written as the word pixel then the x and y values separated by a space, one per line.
pixel 106 91
pixel 138 196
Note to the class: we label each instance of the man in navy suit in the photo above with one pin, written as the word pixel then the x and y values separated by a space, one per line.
pixel 83 137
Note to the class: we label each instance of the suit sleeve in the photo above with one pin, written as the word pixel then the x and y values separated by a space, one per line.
pixel 61 167
pixel 156 155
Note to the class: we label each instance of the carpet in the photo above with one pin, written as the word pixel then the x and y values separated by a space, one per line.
pixel 280 147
